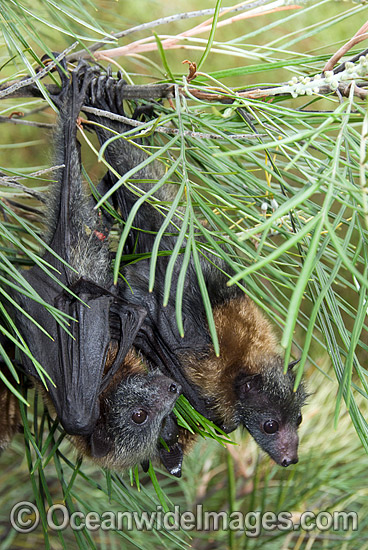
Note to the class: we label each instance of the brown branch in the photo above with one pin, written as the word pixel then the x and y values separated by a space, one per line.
pixel 166 91
pixel 151 24
pixel 359 36
pixel 358 91
pixel 353 59
pixel 265 92
pixel 149 91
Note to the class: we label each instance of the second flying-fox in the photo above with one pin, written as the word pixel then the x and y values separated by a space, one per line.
pixel 246 384
pixel 103 392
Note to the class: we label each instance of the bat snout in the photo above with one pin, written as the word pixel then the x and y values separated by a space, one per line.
pixel 74 428
pixel 167 392
pixel 288 447
pixel 286 461
pixel 175 388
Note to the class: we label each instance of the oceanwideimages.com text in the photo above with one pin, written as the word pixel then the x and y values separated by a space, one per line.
pixel 25 517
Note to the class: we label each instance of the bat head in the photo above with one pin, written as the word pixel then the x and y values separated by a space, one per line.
pixel 270 409
pixel 251 388
pixel 137 413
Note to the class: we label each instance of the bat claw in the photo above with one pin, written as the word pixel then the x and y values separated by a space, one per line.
pixel 111 95
pixel 75 83
pixel 120 92
pixel 103 94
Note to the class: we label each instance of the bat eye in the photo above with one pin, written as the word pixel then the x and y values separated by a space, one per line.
pixel 271 427
pixel 139 416
pixel 299 420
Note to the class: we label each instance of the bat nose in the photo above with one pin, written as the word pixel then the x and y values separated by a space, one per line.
pixel 175 388
pixel 288 446
pixel 287 461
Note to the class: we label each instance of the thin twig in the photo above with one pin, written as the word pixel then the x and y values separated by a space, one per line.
pixel 148 44
pixel 162 129
pixel 30 90
pixel 342 67
pixel 38 173
pixel 33 79
pixel 4 119
pixel 13 181
pixel 161 21
pixel 37 110
pixel 359 36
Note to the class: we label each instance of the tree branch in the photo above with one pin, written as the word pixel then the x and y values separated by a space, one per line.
pixel 13 89
pixel 163 129
pixel 163 20
pixel 359 36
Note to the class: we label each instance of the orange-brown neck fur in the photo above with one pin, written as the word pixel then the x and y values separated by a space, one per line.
pixel 10 419
pixel 247 343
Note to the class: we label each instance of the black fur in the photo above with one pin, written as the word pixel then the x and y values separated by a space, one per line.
pixel 83 363
pixel 159 340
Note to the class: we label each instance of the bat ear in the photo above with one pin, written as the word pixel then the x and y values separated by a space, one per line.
pixel 46 59
pixel 292 364
pixel 172 459
pixel 246 385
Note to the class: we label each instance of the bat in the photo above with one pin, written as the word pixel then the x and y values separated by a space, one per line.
pixel 99 388
pixel 246 384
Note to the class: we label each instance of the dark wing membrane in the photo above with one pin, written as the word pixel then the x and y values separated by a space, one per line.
pixel 78 373
pixel 130 319
pixel 82 360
